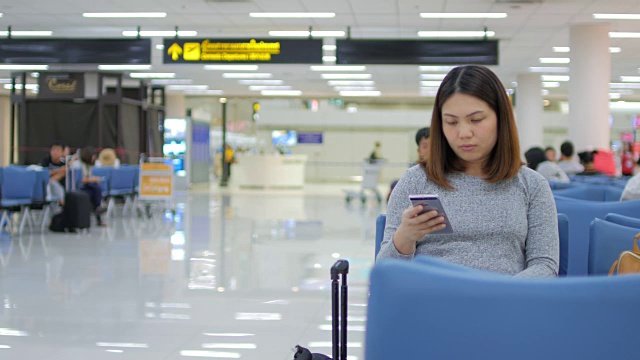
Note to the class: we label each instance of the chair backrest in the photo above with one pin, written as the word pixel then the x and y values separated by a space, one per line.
pixel 381 221
pixel 580 214
pixel 40 185
pixel 123 178
pixel 623 220
pixel 104 172
pixel 422 312
pixel 592 193
pixel 607 240
pixel 18 183
pixel 563 234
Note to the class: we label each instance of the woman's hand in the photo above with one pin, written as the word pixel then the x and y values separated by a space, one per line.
pixel 414 227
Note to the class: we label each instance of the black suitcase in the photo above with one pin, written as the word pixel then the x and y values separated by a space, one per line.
pixel 338 323
pixel 77 210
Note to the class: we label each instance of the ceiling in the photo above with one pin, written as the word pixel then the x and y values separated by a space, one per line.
pixel 529 32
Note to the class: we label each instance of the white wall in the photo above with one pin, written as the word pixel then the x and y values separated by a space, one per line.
pixel 5 130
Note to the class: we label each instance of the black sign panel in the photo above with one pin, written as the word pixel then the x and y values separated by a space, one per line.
pixel 75 51
pixel 237 51
pixel 417 52
pixel 60 85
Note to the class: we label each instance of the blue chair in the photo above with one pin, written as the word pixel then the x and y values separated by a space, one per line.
pixel 122 184
pixel 623 220
pixel 607 240
pixel 563 232
pixel 426 312
pixel 105 173
pixel 580 214
pixel 40 201
pixel 591 193
pixel 555 185
pixel 16 195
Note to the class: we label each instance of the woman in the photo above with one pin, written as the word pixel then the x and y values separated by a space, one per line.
pixel 537 160
pixel 91 184
pixel 502 213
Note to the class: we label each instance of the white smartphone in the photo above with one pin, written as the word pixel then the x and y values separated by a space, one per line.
pixel 430 203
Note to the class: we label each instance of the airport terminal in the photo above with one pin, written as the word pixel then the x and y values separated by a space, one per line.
pixel 344 179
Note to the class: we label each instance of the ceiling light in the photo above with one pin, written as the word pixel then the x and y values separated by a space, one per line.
pixel 152 75
pixel 345 76
pixel 547 69
pixel 329 47
pixel 124 67
pixel 615 50
pixel 351 82
pixel 554 60
pixel 26 33
pixel 329 58
pixel 269 87
pixel 615 96
pixel 171 81
pixel 247 75
pixel 435 68
pixel 305 33
pixel 338 68
pixel 354 88
pixel 624 86
pixel 624 92
pixel 5 81
pixel 630 78
pixel 159 33
pixel 187 87
pixel 430 83
pixel 360 93
pixel 293 15
pixel 617 16
pixel 432 76
pixel 203 92
pixel 126 15
pixel 248 346
pixel 209 354
pixel 555 77
pixel 566 49
pixel 260 82
pixel 624 35
pixel 19 86
pixel 463 15
pixel 24 67
pixel 277 93
pixel 544 92
pixel 456 34
pixel 550 84
pixel 231 67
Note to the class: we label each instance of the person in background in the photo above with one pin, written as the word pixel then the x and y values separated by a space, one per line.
pixel 538 161
pixel 423 142
pixel 586 159
pixel 376 154
pixel 550 153
pixel 107 157
pixel 567 163
pixel 626 160
pixel 55 162
pixel 91 184
pixel 503 214
pixel 230 158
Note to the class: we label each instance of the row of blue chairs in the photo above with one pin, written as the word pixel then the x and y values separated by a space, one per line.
pixel 429 309
pixel 21 190
pixel 118 182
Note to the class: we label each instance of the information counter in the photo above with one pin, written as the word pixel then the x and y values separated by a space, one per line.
pixel 269 171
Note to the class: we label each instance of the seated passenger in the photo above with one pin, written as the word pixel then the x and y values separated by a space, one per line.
pixel 537 160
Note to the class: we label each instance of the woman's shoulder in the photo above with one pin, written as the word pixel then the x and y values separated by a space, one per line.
pixel 531 179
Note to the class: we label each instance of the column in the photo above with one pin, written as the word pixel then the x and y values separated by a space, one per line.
pixel 529 111
pixel 176 106
pixel 590 71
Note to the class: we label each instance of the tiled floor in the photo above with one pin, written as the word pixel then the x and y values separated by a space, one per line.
pixel 239 274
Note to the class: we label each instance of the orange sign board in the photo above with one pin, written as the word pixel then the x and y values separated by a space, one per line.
pixel 155 167
pixel 156 185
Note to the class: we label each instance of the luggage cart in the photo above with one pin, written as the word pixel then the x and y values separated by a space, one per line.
pixel 370 174
pixel 155 187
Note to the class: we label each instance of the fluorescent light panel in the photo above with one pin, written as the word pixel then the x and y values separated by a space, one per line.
pixel 329 47
pixel 463 15
pixel 269 87
pixel 24 67
pixel 159 33
pixel 232 67
pixel 615 95
pixel 360 93
pixel 555 77
pixel 432 68
pixel 551 84
pixel 624 86
pixel 630 78
pixel 430 83
pixel 247 75
pixel 19 86
pixel 305 33
pixel 152 75
pixel 554 60
pixel 171 81
pixel 338 68
pixel 26 33
pixel 203 92
pixel 617 16
pixel 432 76
pixel 351 82
pixel 455 34
pixel 566 49
pixel 124 67
pixel 354 88
pixel 260 82
pixel 187 87
pixel 123 345
pixel 329 58
pixel 293 15
pixel 126 15
pixel 345 76
pixel 547 69
pixel 274 93
pixel 624 35
pixel 544 92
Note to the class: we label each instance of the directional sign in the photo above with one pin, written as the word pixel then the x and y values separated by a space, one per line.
pixel 226 51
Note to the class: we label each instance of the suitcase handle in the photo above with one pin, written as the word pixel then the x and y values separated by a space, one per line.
pixel 340 267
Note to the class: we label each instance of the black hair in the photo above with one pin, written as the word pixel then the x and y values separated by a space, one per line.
pixel 423 133
pixel 534 157
pixel 58 143
pixel 566 149
pixel 586 157
pixel 87 155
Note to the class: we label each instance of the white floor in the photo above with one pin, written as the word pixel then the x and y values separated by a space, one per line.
pixel 239 274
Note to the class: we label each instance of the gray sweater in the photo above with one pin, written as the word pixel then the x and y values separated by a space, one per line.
pixel 510 227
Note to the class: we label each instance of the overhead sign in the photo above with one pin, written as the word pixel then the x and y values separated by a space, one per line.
pixel 309 138
pixel 75 51
pixel 417 52
pixel 60 85
pixel 229 51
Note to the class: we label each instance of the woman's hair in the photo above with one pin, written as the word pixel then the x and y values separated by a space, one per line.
pixel 534 157
pixel 586 157
pixel 504 160
pixel 87 155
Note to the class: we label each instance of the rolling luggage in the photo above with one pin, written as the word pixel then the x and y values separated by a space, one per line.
pixel 77 210
pixel 338 322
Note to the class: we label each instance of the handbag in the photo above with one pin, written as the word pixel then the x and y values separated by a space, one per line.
pixel 628 262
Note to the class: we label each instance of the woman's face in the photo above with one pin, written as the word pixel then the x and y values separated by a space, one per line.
pixel 471 129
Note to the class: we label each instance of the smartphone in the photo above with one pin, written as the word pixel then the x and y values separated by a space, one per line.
pixel 430 203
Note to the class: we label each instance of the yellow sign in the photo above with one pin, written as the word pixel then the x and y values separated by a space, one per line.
pixel 175 51
pixel 156 185
pixel 192 51
pixel 155 167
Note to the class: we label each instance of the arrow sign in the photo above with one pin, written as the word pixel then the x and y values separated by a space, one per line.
pixel 175 51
